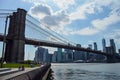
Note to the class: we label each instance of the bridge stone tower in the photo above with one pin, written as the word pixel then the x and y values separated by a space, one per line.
pixel 15 47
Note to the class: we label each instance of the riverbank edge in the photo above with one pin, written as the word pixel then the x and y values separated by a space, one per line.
pixel 46 74
pixel 38 73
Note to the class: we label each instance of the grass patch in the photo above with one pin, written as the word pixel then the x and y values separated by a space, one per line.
pixel 16 65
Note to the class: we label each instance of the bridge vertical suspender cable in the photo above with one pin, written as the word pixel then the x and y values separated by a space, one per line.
pixel 52 31
pixel 55 37
pixel 45 31
pixel 49 28
pixel 4 39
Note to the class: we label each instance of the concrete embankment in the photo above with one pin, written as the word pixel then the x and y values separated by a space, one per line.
pixel 40 73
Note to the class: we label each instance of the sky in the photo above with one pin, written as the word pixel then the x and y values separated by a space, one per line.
pixel 80 21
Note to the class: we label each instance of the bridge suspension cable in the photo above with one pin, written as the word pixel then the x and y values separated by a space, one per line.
pixel 38 28
pixel 30 24
pixel 49 29
pixel 48 32
pixel 42 34
pixel 11 10
pixel 58 38
pixel 3 16
pixel 5 12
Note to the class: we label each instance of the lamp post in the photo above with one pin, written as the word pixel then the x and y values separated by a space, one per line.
pixel 4 40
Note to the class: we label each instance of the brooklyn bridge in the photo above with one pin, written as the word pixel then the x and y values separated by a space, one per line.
pixel 15 39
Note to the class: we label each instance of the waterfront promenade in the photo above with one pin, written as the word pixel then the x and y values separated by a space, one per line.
pixel 37 73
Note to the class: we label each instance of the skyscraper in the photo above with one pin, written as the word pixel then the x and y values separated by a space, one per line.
pixel 77 54
pixel 41 55
pixel 95 57
pixel 112 44
pixel 64 56
pixel 109 50
pixel 90 46
pixel 89 55
pixel 54 57
pixel 95 46
pixel 69 54
pixel 59 54
pixel 104 45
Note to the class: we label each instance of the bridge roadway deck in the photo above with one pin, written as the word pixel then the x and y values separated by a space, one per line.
pixel 18 73
pixel 51 44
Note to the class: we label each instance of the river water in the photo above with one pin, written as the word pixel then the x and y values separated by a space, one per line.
pixel 86 71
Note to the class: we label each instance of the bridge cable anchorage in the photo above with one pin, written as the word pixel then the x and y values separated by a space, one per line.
pixel 51 30
pixel 46 31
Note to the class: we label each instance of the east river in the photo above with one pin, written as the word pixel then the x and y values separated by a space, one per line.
pixel 86 71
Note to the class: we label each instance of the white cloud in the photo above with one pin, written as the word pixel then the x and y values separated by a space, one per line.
pixel 85 31
pixel 86 8
pixel 63 4
pixel 40 10
pixel 57 20
pixel 102 24
pixel 92 7
pixel 31 1
pixel 81 11
pixel 54 20
pixel 98 24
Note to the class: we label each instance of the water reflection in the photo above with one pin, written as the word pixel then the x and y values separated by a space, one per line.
pixel 77 72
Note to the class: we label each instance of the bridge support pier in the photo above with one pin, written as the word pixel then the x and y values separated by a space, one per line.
pixel 15 47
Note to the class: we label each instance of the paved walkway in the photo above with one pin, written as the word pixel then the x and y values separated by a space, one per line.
pixel 17 73
pixel 4 69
